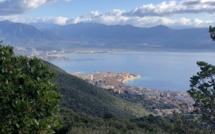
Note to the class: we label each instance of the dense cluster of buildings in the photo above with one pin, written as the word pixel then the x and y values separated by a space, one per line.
pixel 115 82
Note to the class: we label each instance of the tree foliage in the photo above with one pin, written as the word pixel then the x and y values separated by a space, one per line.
pixel 212 32
pixel 80 123
pixel 29 101
pixel 203 91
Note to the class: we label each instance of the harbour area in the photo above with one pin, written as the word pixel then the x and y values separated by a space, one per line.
pixel 115 82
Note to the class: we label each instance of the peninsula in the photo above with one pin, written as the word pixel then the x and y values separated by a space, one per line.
pixel 115 82
pixel 107 78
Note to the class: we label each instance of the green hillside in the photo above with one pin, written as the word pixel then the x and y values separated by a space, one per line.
pixel 86 108
pixel 83 97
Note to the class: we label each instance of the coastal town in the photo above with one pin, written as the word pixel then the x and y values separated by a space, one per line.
pixel 116 82
pixel 57 54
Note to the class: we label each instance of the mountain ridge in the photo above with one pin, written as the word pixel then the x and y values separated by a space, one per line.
pixel 94 35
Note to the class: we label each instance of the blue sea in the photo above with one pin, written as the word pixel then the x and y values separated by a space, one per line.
pixel 158 70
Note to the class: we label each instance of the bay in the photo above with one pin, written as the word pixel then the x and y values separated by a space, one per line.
pixel 158 70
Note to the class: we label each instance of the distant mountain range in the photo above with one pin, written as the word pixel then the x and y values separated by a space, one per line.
pixel 94 35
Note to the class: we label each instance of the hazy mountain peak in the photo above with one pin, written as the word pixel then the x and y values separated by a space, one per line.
pixel 161 27
pixel 95 35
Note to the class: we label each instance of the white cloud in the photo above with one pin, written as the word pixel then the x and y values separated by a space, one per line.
pixel 110 18
pixel 118 17
pixel 173 7
pixel 147 21
pixel 151 15
pixel 13 18
pixel 184 21
pixel 10 7
pixel 56 20
pixel 193 22
pixel 144 16
pixel 76 20
pixel 61 20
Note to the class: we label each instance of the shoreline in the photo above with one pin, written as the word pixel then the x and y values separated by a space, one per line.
pixel 131 79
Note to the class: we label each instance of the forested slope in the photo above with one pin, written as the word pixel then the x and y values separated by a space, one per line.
pixel 83 97
pixel 86 108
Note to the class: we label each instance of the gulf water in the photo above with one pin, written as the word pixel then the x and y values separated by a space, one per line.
pixel 158 70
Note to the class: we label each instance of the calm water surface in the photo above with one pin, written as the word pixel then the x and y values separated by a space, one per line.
pixel 164 71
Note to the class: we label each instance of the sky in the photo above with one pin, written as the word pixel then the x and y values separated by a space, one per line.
pixel 140 13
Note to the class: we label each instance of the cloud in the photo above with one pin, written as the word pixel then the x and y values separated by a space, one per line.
pixel 117 16
pixel 173 7
pixel 46 19
pixel 152 15
pixel 13 18
pixel 113 19
pixel 110 18
pixel 144 16
pixel 56 20
pixel 11 7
